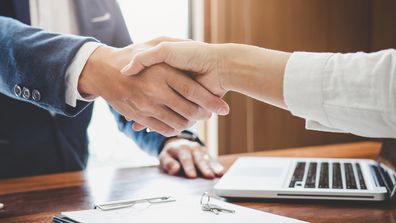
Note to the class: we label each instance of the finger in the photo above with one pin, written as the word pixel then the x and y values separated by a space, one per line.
pixel 174 53
pixel 157 126
pixel 202 164
pixel 161 39
pixel 149 122
pixel 187 109
pixel 217 168
pixel 138 127
pixel 186 160
pixel 141 60
pixel 169 164
pixel 171 118
pixel 196 93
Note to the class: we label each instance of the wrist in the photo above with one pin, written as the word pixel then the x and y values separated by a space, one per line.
pixel 183 137
pixel 104 61
pixel 237 62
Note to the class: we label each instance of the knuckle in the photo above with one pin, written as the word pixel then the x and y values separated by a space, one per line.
pixel 160 70
pixel 162 38
pixel 144 108
pixel 162 47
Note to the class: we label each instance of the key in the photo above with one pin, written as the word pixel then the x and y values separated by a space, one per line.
pixel 216 209
pixel 298 174
pixel 360 177
pixel 324 175
pixel 311 176
pixel 337 179
pixel 349 176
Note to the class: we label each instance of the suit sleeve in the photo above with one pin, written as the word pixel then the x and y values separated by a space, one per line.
pixel 151 142
pixel 37 60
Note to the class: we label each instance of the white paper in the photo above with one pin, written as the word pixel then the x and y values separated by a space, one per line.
pixel 185 209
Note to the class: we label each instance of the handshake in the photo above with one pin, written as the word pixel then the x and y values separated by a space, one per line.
pixel 159 84
pixel 168 84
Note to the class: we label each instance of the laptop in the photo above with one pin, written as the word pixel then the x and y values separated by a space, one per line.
pixel 312 178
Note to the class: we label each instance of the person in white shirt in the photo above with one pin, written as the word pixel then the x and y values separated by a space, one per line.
pixel 353 93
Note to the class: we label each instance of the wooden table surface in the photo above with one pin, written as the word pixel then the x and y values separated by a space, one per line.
pixel 37 199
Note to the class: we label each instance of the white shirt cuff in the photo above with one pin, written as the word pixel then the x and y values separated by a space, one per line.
pixel 303 86
pixel 74 70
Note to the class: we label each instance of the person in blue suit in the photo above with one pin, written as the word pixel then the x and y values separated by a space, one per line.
pixel 48 82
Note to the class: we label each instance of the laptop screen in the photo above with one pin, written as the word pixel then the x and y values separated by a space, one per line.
pixel 387 159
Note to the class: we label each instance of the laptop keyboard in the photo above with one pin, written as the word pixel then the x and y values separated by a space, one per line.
pixel 340 174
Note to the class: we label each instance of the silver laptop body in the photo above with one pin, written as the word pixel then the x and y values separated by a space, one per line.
pixel 312 178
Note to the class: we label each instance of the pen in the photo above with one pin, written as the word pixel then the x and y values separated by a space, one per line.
pixel 61 219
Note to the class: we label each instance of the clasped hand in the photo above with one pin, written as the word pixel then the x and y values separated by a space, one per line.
pixel 160 97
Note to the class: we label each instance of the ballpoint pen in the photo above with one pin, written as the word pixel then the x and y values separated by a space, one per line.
pixel 62 219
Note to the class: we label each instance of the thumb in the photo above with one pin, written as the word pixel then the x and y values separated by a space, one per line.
pixel 147 58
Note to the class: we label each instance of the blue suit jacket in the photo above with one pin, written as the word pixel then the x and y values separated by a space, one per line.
pixel 32 141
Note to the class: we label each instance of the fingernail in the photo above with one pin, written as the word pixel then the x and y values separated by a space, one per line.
pixel 125 69
pixel 174 168
pixel 223 111
pixel 210 175
pixel 218 168
pixel 192 174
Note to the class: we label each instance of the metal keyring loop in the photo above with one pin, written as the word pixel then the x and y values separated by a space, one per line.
pixel 205 196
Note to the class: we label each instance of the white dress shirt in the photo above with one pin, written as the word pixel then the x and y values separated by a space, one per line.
pixel 59 16
pixel 354 93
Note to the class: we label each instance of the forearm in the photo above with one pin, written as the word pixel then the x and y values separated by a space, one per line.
pixel 253 71
pixel 37 60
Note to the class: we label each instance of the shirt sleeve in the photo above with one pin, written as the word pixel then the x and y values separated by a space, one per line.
pixel 353 93
pixel 74 70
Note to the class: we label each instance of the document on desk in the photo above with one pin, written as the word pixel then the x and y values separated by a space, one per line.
pixel 184 209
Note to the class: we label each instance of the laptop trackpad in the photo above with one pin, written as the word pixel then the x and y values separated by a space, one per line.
pixel 257 173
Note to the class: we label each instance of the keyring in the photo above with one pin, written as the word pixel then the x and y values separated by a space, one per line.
pixel 205 196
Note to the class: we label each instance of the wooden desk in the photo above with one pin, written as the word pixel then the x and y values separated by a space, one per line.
pixel 37 199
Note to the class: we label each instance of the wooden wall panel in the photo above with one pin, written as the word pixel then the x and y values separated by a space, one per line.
pixel 292 25
pixel 383 25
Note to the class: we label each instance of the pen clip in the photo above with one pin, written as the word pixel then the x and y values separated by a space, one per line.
pixel 108 206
